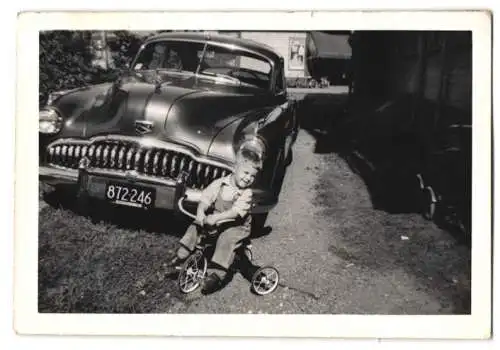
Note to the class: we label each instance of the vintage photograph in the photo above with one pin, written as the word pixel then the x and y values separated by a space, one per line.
pixel 264 172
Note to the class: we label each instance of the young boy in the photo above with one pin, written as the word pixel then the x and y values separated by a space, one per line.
pixel 230 198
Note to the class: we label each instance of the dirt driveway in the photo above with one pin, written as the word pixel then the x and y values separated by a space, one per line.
pixel 335 254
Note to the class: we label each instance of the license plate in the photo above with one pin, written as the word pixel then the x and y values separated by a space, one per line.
pixel 130 195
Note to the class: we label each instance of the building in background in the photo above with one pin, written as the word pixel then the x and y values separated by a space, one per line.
pixel 329 55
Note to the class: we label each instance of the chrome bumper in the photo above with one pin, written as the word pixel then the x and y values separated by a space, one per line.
pixel 92 182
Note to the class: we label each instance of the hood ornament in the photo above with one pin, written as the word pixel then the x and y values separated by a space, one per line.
pixel 143 127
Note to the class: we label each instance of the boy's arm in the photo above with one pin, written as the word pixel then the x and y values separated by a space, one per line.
pixel 200 212
pixel 240 208
pixel 208 196
pixel 230 214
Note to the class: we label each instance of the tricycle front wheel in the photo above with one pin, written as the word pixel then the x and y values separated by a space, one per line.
pixel 193 271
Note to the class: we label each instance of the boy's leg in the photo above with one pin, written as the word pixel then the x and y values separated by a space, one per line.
pixel 187 245
pixel 228 241
pixel 188 242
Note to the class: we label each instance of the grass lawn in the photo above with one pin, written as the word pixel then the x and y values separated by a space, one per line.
pixel 113 266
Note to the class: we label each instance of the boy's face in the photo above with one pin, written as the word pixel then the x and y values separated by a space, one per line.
pixel 244 176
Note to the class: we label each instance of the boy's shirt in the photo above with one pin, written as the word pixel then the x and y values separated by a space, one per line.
pixel 241 198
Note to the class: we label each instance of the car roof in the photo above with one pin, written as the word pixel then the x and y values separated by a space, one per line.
pixel 218 38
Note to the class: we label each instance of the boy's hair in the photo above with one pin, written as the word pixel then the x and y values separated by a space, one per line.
pixel 249 157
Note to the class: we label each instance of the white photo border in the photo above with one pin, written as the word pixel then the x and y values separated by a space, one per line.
pixel 27 319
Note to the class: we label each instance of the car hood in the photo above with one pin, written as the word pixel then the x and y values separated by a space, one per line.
pixel 184 111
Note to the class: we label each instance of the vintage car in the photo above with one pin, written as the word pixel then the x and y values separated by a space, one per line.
pixel 181 111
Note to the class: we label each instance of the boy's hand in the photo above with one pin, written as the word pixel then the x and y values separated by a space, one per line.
pixel 200 219
pixel 211 220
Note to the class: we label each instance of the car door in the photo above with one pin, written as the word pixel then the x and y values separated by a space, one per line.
pixel 279 126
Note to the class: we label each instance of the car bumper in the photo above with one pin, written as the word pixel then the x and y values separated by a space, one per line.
pixel 93 183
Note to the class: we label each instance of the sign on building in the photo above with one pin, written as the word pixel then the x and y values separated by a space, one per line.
pixel 296 53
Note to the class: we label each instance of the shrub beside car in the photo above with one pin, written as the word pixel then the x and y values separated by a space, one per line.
pixel 65 59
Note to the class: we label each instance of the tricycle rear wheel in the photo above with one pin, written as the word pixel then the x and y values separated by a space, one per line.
pixel 265 280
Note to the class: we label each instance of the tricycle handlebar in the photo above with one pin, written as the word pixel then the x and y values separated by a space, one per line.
pixel 191 215
pixel 184 211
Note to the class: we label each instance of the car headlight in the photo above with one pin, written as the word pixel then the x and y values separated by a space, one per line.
pixel 253 147
pixel 49 121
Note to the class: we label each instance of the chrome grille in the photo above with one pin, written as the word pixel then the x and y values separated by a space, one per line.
pixel 128 155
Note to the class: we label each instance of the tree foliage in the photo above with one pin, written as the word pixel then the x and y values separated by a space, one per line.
pixel 124 47
pixel 66 59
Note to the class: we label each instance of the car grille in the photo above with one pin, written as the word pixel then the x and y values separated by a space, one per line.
pixel 125 155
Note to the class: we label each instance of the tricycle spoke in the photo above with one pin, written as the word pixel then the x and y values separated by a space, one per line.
pixel 187 282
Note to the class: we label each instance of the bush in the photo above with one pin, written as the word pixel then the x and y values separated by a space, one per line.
pixel 65 60
pixel 124 47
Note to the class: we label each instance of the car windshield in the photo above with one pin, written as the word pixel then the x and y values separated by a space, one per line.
pixel 221 64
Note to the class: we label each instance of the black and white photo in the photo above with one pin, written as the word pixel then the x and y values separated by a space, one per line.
pixel 264 172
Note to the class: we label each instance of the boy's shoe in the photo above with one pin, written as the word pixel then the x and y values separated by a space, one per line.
pixel 212 283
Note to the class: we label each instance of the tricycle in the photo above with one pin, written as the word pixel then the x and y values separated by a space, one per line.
pixel 264 280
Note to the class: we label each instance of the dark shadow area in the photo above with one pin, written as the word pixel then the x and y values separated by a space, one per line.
pixel 388 146
pixel 321 115
pixel 384 157
pixel 265 231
